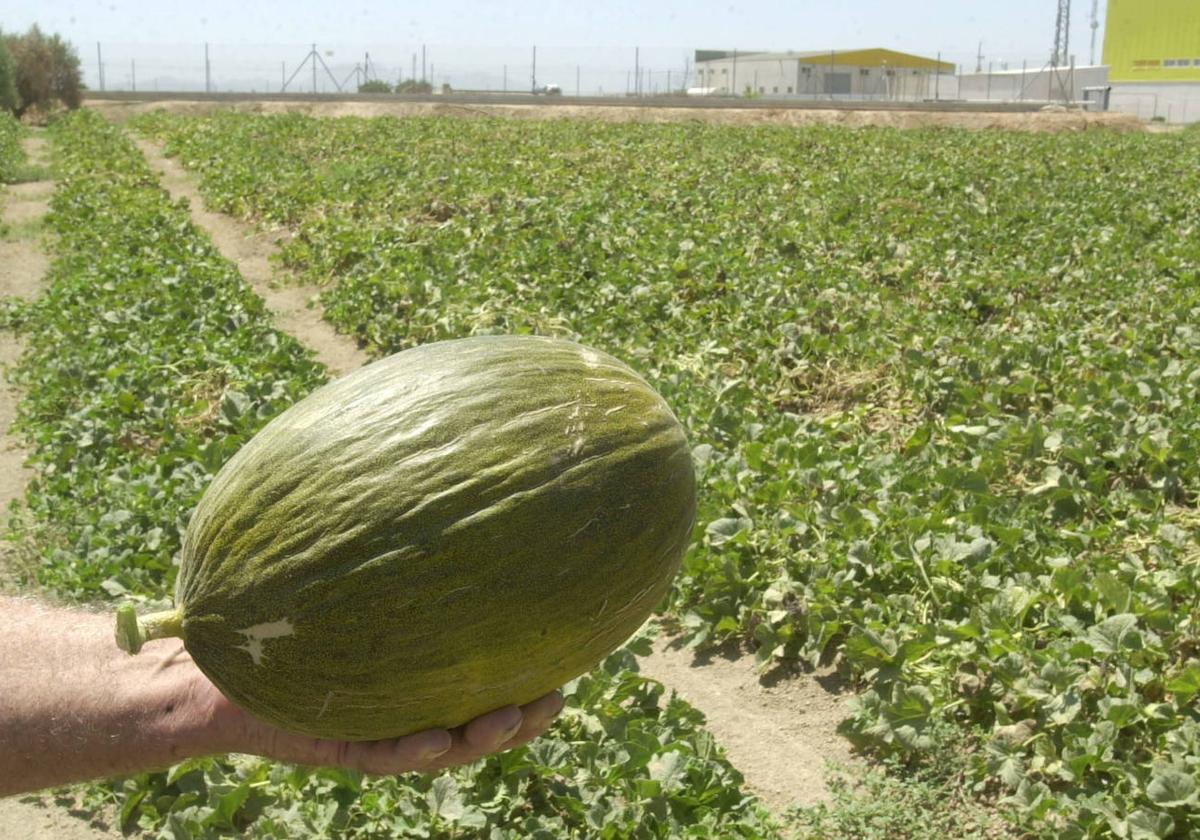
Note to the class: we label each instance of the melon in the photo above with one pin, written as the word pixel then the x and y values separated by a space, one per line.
pixel 455 528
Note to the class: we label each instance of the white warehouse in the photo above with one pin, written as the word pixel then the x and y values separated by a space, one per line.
pixel 848 74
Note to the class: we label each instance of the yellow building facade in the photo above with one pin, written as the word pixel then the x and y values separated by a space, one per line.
pixel 1153 40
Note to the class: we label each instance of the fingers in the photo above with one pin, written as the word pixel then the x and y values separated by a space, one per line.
pixel 433 749
pixel 503 729
pixel 398 755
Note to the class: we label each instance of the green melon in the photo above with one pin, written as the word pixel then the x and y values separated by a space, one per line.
pixel 452 529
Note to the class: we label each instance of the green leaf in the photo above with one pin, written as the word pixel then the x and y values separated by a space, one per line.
pixel 1115 633
pixel 1172 788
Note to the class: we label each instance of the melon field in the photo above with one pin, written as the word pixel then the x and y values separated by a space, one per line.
pixel 942 389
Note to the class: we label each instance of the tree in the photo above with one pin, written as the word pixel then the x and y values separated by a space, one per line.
pixel 9 100
pixel 47 71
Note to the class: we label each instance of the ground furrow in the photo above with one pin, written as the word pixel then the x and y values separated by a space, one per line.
pixel 251 251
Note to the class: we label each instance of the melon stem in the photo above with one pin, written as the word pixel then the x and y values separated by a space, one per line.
pixel 133 630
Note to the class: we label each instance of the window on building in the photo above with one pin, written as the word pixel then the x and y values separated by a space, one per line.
pixel 790 87
pixel 724 71
pixel 807 71
pixel 890 72
pixel 762 89
pixel 864 71
pixel 775 89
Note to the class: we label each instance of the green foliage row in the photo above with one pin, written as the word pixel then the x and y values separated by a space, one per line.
pixel 942 385
pixel 149 363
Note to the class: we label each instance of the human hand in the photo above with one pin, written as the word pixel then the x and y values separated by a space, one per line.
pixel 74 707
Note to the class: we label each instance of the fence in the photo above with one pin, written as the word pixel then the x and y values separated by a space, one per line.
pixel 583 71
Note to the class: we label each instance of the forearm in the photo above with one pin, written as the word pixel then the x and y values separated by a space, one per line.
pixel 74 707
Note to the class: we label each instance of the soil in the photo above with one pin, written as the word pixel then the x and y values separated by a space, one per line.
pixel 296 311
pixel 1038 121
pixel 779 731
pixel 25 262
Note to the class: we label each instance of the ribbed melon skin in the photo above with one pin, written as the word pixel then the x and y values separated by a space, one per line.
pixel 452 529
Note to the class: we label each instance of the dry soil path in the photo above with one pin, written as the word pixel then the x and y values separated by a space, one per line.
pixel 782 737
pixel 23 264
pixel 780 732
pixel 251 251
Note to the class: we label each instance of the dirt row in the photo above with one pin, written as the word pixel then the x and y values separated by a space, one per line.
pixel 1053 120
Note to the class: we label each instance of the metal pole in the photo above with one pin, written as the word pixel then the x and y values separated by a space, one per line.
pixel 668 83
pixel 1024 81
pixel 989 82
pixel 282 76
pixel 99 65
pixel 637 71
pixel 937 79
pixel 313 56
pixel 414 70
pixel 533 73
pixel 133 75
pixel 422 62
pixel 733 84
pixel 207 71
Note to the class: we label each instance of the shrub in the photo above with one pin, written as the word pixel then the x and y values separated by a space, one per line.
pixel 375 86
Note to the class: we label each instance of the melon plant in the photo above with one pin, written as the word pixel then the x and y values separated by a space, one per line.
pixel 452 529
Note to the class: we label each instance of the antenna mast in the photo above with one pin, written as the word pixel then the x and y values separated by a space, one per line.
pixel 1095 25
pixel 1062 35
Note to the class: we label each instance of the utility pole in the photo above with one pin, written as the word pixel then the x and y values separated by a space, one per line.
pixel 282 75
pixel 533 73
pixel 937 79
pixel 414 70
pixel 132 75
pixel 637 71
pixel 668 83
pixel 979 59
pixel 422 62
pixel 733 84
pixel 314 64
pixel 100 65
pixel 208 71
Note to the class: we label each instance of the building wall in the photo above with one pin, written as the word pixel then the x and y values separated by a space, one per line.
pixel 1175 102
pixel 1031 85
pixel 1153 40
pixel 810 79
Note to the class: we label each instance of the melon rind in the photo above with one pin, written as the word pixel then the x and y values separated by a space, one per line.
pixel 455 528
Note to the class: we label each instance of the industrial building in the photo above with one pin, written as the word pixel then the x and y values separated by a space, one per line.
pixel 839 74
pixel 1152 49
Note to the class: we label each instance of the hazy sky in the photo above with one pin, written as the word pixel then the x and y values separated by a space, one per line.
pixel 600 32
